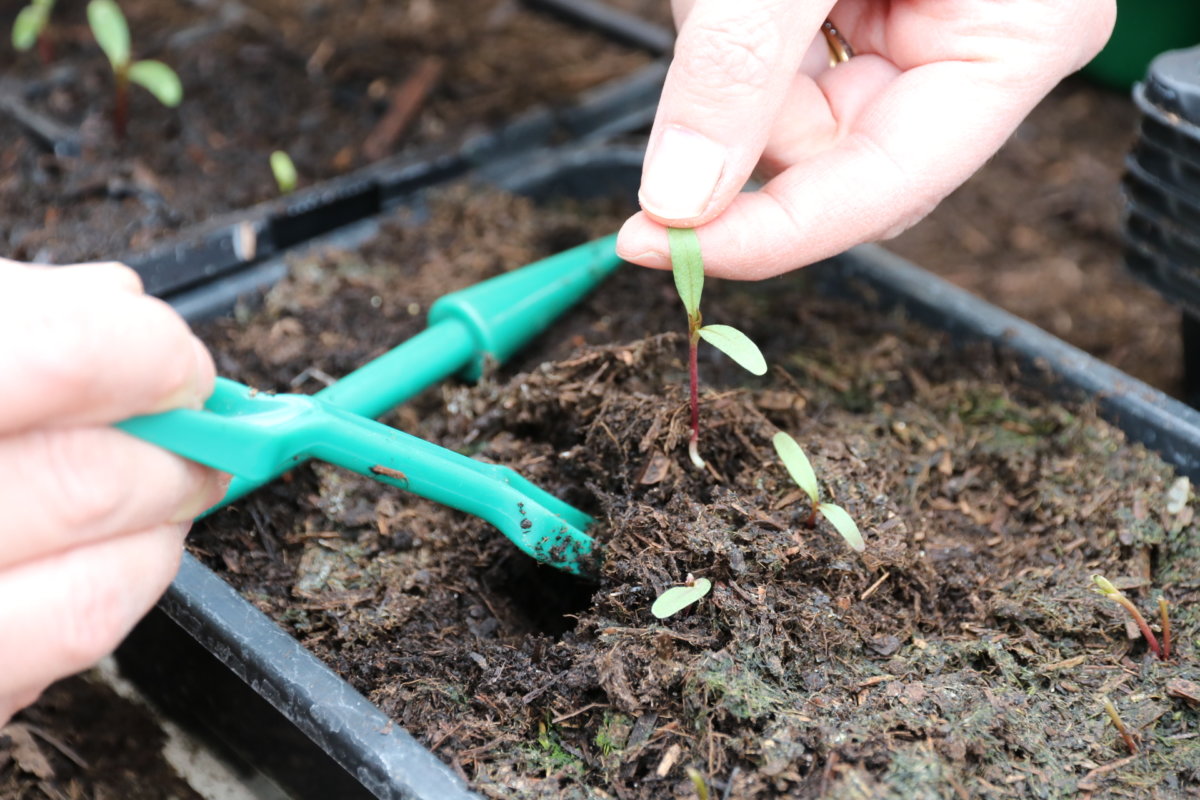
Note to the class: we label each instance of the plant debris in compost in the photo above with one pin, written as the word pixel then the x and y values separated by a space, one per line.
pixel 964 654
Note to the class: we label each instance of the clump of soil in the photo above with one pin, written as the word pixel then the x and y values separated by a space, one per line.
pixel 962 655
pixel 259 76
pixel 82 740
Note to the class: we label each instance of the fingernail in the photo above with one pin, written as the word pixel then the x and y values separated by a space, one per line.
pixel 197 389
pixel 681 175
pixel 649 258
pixel 206 495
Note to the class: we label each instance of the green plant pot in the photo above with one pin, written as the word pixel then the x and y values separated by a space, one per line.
pixel 1144 29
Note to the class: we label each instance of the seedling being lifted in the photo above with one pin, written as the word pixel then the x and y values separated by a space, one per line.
pixel 112 34
pixel 29 28
pixel 802 473
pixel 688 268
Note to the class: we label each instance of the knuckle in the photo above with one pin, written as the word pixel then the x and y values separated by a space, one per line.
pixel 735 54
pixel 73 483
pixel 70 345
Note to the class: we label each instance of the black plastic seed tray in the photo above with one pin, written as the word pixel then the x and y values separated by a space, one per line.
pixel 241 242
pixel 209 655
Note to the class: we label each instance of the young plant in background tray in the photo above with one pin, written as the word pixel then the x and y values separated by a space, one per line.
pixel 677 598
pixel 1105 587
pixel 112 34
pixel 284 171
pixel 31 27
pixel 802 473
pixel 688 268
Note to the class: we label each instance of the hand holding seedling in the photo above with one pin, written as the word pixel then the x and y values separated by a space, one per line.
pixel 858 151
pixel 688 266
pixel 112 34
pixel 93 519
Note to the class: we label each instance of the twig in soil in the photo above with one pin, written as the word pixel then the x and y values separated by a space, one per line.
pixel 1087 782
pixel 1165 625
pixel 1105 587
pixel 1111 710
pixel 405 101
pixel 874 587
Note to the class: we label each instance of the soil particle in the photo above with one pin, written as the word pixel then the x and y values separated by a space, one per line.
pixel 963 654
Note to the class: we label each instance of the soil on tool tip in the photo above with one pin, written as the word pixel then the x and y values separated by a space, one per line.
pixel 963 654
pixel 259 76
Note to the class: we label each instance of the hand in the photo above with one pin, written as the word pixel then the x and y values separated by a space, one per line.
pixel 858 152
pixel 91 520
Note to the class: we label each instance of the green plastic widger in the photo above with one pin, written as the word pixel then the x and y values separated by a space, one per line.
pixel 257 436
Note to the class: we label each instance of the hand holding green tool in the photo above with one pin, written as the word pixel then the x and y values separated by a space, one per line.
pixel 257 436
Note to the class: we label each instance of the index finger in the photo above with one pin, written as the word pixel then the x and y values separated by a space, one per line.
pixel 87 351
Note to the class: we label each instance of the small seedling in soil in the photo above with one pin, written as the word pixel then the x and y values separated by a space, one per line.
pixel 31 27
pixel 688 268
pixel 1165 624
pixel 112 34
pixel 1111 710
pixel 284 171
pixel 802 473
pixel 697 782
pixel 1104 586
pixel 677 598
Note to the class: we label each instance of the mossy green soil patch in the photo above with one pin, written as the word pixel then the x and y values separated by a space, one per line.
pixel 963 655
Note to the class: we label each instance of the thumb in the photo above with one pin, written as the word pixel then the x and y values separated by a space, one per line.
pixel 732 68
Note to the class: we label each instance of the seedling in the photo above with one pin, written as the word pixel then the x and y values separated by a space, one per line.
pixel 112 34
pixel 1165 625
pixel 697 783
pixel 802 473
pixel 1104 586
pixel 1111 710
pixel 30 28
pixel 284 171
pixel 688 268
pixel 677 598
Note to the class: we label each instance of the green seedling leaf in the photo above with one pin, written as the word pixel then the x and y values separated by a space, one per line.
pixel 736 345
pixel 284 171
pixel 677 598
pixel 797 464
pixel 111 32
pixel 844 524
pixel 159 80
pixel 28 25
pixel 687 267
pixel 1104 586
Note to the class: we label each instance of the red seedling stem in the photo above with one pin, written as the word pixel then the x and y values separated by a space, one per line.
pixel 1143 626
pixel 45 47
pixel 1165 622
pixel 694 387
pixel 694 378
pixel 121 103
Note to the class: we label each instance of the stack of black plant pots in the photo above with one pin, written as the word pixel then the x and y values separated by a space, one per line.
pixel 1162 185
